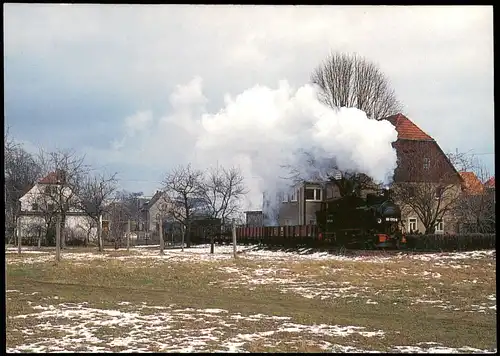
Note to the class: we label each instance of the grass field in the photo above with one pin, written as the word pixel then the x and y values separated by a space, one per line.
pixel 266 301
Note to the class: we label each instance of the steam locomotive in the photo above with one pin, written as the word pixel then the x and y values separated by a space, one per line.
pixel 354 222
pixel 350 222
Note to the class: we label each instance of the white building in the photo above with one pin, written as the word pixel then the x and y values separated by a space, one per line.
pixel 38 211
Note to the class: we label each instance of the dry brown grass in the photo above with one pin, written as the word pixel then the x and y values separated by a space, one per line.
pixel 103 284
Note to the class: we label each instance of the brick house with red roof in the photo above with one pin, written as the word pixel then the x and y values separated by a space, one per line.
pixel 427 182
pixel 472 184
pixel 490 183
pixel 476 209
pixel 423 168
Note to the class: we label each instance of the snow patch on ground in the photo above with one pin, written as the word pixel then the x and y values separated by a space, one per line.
pixel 225 252
pixel 167 330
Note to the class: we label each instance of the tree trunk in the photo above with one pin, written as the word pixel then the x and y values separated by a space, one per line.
pixel 182 237
pixel 58 239
pixel 234 239
pixel 18 233
pixel 128 235
pixel 188 237
pixel 99 233
pixel 63 231
pixel 39 238
pixel 162 242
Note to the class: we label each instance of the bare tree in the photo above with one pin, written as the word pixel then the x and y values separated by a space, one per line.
pixel 182 195
pixel 47 213
pixel 476 207
pixel 65 171
pixel 118 214
pixel 132 200
pixel 427 183
pixel 221 191
pixel 21 171
pixel 89 226
pixel 95 194
pixel 348 80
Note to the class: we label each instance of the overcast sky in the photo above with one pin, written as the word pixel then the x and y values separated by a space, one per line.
pixel 110 80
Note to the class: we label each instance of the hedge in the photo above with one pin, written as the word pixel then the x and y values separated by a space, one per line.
pixel 460 242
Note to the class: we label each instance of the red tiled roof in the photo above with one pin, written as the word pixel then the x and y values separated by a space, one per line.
pixel 490 183
pixel 52 177
pixel 406 129
pixel 472 184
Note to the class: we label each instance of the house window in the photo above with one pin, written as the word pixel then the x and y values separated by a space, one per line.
pixel 34 207
pixel 287 222
pixel 284 197
pixel 439 192
pixel 50 189
pixel 412 224
pixel 312 222
pixel 427 163
pixel 313 194
pixel 293 196
pixel 439 226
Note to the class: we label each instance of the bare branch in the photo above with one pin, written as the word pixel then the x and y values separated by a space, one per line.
pixel 476 208
pixel 182 195
pixel 63 171
pixel 221 191
pixel 21 171
pixel 347 80
pixel 426 184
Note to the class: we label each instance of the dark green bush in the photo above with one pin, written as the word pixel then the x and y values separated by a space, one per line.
pixel 462 242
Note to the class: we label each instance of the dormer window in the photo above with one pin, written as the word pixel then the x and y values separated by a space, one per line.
pixel 34 207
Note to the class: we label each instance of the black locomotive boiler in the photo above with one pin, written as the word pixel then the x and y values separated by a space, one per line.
pixel 354 222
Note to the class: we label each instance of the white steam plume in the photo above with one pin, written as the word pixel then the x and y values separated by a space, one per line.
pixel 262 129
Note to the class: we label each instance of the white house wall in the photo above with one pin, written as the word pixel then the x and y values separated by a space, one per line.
pixel 36 193
pixel 79 224
pixel 25 224
pixel 153 214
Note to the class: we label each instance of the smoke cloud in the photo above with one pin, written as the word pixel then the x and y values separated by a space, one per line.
pixel 263 130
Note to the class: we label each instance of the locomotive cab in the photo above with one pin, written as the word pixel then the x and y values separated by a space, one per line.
pixel 388 220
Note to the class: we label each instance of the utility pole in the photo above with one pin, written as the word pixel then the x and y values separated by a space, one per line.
pixel 211 240
pixel 162 242
pixel 182 237
pixel 128 235
pixel 234 238
pixel 58 238
pixel 18 233
pixel 99 232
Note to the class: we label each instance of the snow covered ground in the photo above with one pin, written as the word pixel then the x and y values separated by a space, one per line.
pixel 225 252
pixel 170 329
pixel 139 328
